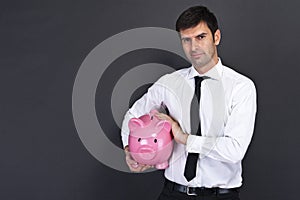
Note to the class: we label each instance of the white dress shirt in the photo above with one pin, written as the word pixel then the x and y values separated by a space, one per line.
pixel 227 115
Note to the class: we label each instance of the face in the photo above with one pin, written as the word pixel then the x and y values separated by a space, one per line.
pixel 200 47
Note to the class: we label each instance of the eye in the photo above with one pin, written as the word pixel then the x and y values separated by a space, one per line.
pixel 139 139
pixel 185 40
pixel 200 37
pixel 155 140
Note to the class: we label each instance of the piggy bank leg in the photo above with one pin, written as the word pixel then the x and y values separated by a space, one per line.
pixel 163 165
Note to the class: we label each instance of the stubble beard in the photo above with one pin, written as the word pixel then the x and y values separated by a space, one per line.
pixel 205 61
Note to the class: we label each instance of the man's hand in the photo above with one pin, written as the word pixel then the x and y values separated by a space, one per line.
pixel 179 135
pixel 132 164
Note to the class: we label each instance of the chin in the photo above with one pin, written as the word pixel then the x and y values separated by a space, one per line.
pixel 198 65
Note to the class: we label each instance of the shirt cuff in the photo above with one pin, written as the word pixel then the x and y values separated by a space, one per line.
pixel 200 144
pixel 192 145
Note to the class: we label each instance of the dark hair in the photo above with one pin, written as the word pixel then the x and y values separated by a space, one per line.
pixel 193 16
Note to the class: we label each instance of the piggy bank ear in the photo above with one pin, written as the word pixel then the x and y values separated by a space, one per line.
pixel 153 112
pixel 164 125
pixel 135 123
pixel 167 126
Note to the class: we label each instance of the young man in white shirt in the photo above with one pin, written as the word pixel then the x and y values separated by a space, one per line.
pixel 227 109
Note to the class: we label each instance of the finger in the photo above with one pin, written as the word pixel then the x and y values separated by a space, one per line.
pixel 131 162
pixel 162 116
pixel 137 169
pixel 147 167
pixel 134 165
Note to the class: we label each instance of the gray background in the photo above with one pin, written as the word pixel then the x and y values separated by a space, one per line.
pixel 42 45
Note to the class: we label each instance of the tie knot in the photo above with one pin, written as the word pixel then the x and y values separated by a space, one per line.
pixel 198 81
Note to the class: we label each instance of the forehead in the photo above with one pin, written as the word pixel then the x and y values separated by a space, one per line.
pixel 195 31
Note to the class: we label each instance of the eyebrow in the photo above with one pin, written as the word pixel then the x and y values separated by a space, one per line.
pixel 201 34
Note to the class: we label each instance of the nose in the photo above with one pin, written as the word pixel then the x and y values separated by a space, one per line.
pixel 147 153
pixel 194 45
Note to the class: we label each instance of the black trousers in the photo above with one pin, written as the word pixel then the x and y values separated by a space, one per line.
pixel 169 194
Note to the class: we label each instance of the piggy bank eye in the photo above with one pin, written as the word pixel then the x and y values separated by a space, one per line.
pixel 155 140
pixel 139 139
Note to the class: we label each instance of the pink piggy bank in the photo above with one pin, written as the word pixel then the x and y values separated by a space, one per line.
pixel 150 140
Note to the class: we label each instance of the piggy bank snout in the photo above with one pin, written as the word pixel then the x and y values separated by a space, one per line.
pixel 147 152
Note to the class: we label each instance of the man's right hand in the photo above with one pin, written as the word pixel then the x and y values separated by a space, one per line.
pixel 132 164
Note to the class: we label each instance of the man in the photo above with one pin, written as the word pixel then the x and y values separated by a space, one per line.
pixel 206 161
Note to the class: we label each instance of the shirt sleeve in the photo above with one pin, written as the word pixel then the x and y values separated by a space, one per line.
pixel 232 145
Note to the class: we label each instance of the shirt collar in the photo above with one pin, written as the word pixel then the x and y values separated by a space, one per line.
pixel 213 73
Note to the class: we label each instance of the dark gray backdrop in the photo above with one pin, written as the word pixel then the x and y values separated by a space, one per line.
pixel 42 45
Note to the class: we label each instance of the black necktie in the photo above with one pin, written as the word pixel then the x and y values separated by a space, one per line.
pixel 192 158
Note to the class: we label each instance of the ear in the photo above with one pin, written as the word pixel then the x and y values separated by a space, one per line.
pixel 217 37
pixel 164 124
pixel 167 126
pixel 153 112
pixel 135 123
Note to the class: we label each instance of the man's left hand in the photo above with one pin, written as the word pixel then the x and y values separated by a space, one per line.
pixel 179 135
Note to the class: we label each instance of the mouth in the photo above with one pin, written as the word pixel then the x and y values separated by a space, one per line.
pixel 196 55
